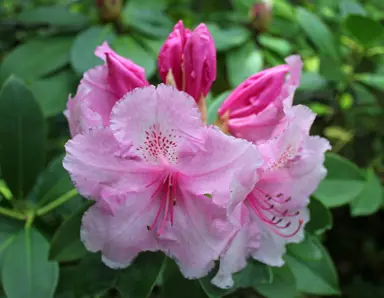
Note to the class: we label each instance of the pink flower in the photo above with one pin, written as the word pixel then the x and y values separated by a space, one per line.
pixel 274 212
pixel 150 172
pixel 254 110
pixel 188 60
pixel 100 88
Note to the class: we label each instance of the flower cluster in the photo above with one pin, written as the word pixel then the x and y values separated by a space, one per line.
pixel 164 180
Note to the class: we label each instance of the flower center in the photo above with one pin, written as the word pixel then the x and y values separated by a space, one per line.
pixel 270 210
pixel 166 192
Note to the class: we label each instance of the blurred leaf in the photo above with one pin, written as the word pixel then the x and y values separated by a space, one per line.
pixel 331 68
pixel 338 133
pixel 320 217
pixel 36 58
pixel 93 277
pixel 346 101
pixel 126 46
pixel 318 32
pixel 82 51
pixel 282 286
pixel 342 184
pixel 243 62
pixel 307 249
pixel 278 45
pixel 215 105
pixel 66 244
pixel 373 80
pixel 365 30
pixel 363 95
pixel 57 15
pixel 243 5
pixel 351 7
pixel 52 93
pixel 153 45
pixel 371 197
pixel 317 277
pixel 151 4
pixel 174 283
pixel 147 20
pixel 227 38
pixel 254 274
pixel 26 269
pixel 66 282
pixel 22 137
pixel 139 278
pixel 320 109
pixel 210 289
pixel 312 81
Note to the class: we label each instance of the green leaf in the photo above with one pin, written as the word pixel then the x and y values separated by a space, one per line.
pixel 215 105
pixel 22 137
pixel 52 93
pixel 312 81
pixel 351 7
pixel 66 244
pixel 363 95
pixel 254 274
pixel 126 46
pixel 82 52
pixel 365 30
pixel 227 38
pixel 317 32
pixel 330 68
pixel 36 58
pixel 373 80
pixel 57 15
pixel 320 217
pixel 243 62
pixel 139 278
pixel 307 249
pixel 278 45
pixel 210 289
pixel 26 269
pixel 93 277
pixel 317 277
pixel 343 183
pixel 66 282
pixel 371 197
pixel 282 286
pixel 174 283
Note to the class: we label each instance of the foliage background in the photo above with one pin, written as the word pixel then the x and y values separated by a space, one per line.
pixel 45 46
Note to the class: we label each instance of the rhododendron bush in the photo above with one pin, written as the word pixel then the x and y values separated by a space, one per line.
pixel 209 175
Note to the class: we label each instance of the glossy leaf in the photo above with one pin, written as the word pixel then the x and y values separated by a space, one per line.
pixel 243 62
pixel 343 183
pixel 22 137
pixel 82 52
pixel 52 93
pixel 320 217
pixel 307 249
pixel 365 30
pixel 227 38
pixel 215 105
pixel 139 278
pixel 36 58
pixel 371 197
pixel 254 274
pixel 283 284
pixel 66 244
pixel 26 271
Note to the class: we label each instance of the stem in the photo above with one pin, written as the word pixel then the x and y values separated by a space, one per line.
pixel 59 201
pixel 30 219
pixel 12 214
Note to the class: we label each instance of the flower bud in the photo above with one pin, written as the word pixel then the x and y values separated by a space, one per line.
pixel 260 16
pixel 109 10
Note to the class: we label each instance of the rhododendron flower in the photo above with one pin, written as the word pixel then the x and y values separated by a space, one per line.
pixel 188 60
pixel 149 172
pixel 276 207
pixel 100 88
pixel 254 110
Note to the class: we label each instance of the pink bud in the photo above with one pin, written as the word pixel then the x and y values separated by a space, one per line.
pixel 190 57
pixel 123 74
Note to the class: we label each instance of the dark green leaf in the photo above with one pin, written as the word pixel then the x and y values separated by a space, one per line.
pixel 26 269
pixel 320 217
pixel 371 197
pixel 54 15
pixel 312 81
pixel 66 282
pixel 282 286
pixel 126 46
pixel 174 283
pixel 82 51
pixel 22 137
pixel 343 183
pixel 66 244
pixel 52 93
pixel 318 32
pixel 254 274
pixel 227 38
pixel 214 106
pixel 373 80
pixel 243 62
pixel 330 68
pixel 139 278
pixel 363 95
pixel 93 277
pixel 211 290
pixel 365 30
pixel 351 7
pixel 317 277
